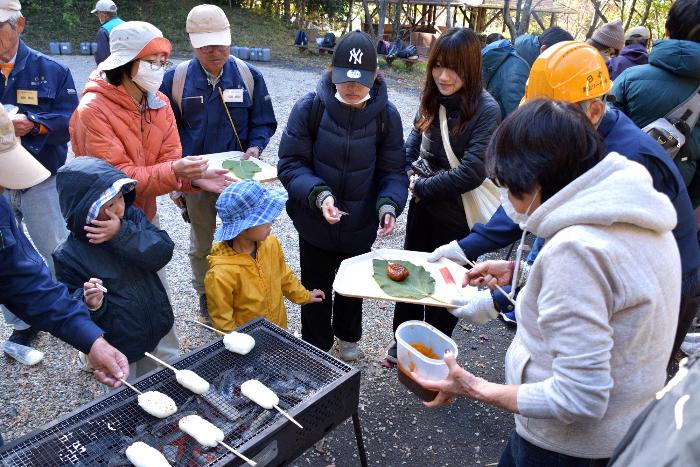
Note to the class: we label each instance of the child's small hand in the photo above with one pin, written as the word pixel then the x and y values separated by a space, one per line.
pixel 91 294
pixel 316 296
pixel 103 231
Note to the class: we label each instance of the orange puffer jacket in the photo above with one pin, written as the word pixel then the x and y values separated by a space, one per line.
pixel 108 125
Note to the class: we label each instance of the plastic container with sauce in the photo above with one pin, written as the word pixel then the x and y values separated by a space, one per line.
pixel 420 348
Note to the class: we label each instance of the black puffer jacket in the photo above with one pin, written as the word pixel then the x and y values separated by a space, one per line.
pixel 135 313
pixel 346 158
pixel 442 192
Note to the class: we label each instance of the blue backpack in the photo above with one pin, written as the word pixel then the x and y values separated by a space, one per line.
pixel 301 38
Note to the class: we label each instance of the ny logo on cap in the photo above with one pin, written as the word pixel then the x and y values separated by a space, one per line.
pixel 356 56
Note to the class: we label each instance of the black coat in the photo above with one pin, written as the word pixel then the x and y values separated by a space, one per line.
pixel 442 192
pixel 345 157
pixel 135 313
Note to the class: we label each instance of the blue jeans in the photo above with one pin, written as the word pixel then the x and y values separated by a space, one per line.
pixel 521 453
pixel 38 208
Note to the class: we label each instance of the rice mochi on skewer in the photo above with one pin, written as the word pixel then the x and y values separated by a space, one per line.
pixel 157 404
pixel 142 455
pixel 206 433
pixel 238 342
pixel 192 381
pixel 260 394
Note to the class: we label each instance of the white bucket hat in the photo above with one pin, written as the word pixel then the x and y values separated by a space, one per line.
pixel 18 168
pixel 131 40
pixel 208 25
pixel 9 8
pixel 105 6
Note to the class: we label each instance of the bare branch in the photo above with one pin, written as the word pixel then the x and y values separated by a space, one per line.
pixel 508 20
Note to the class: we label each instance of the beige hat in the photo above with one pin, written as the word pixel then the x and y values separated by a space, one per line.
pixel 104 6
pixel 8 8
pixel 611 35
pixel 208 25
pixel 132 40
pixel 18 168
pixel 640 31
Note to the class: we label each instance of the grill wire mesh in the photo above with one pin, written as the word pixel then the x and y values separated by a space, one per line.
pixel 98 434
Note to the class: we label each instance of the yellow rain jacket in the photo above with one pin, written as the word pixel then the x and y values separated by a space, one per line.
pixel 240 288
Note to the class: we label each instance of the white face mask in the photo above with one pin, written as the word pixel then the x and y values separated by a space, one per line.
pixel 340 98
pixel 147 78
pixel 519 218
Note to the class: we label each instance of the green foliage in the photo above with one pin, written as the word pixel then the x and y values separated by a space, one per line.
pixel 243 170
pixel 419 284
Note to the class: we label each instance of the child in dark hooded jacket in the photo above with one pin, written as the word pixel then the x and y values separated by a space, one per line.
pixel 113 247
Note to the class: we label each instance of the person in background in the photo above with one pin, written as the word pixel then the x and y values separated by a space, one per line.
pixel 213 86
pixel 43 91
pixel 596 318
pixel 341 160
pixel 436 214
pixel 634 53
pixel 494 37
pixel 249 276
pixel 530 46
pixel 504 74
pixel 106 12
pixel 609 39
pixel 113 246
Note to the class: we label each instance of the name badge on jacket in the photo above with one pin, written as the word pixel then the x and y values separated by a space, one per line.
pixel 233 95
pixel 27 97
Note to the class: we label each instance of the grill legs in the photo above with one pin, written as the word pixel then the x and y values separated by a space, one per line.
pixel 360 442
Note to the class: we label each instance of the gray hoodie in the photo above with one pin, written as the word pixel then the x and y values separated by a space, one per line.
pixel 597 318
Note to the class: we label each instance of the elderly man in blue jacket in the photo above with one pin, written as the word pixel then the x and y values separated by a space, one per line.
pixel 44 92
pixel 26 287
pixel 204 93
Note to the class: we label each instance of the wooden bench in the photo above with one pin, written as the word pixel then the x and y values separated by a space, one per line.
pixel 409 62
pixel 318 50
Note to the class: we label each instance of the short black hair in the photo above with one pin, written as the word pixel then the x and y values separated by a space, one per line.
pixel 683 20
pixel 545 142
pixel 116 75
pixel 554 35
pixel 493 37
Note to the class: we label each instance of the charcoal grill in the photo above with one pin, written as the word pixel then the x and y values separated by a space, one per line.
pixel 318 390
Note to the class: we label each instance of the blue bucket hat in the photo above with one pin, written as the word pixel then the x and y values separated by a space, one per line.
pixel 246 204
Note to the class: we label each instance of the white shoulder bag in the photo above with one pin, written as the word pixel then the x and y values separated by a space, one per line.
pixel 479 203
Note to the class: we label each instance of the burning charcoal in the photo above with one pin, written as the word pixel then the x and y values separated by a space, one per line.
pixel 258 423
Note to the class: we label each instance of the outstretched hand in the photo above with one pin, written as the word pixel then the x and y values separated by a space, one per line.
pixel 388 226
pixel 490 274
pixel 459 382
pixel 109 363
pixel 316 296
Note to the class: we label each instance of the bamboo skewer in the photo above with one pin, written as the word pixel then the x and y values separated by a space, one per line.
pixel 221 333
pixel 170 367
pixel 288 417
pixel 249 461
pixel 130 386
pixel 500 289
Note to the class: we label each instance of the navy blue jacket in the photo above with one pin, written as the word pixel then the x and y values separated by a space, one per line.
pixel 619 135
pixel 504 73
pixel 102 39
pixel 27 290
pixel 346 158
pixel 631 55
pixel 203 124
pixel 135 312
pixel 53 83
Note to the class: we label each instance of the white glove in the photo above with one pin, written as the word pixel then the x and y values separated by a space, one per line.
pixel 450 251
pixel 478 309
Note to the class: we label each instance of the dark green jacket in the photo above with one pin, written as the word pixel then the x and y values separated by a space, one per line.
pixel 648 92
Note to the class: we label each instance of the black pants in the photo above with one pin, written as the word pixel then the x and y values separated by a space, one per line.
pixel 690 302
pixel 340 316
pixel 522 453
pixel 425 233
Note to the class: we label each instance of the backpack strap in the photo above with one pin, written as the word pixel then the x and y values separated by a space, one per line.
pixel 179 83
pixel 687 112
pixel 246 75
pixel 317 109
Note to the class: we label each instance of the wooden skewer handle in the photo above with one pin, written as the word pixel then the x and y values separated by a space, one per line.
pixel 249 461
pixel 161 362
pixel 288 417
pixel 130 386
pixel 221 333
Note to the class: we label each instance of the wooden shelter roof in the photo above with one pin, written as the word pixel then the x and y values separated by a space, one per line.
pixel 540 6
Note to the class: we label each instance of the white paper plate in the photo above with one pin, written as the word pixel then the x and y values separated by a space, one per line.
pixel 268 173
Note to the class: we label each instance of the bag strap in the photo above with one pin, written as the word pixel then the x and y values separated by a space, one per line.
pixel 688 111
pixel 317 109
pixel 445 133
pixel 181 75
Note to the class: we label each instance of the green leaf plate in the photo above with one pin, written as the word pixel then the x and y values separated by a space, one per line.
pixel 419 284
pixel 243 170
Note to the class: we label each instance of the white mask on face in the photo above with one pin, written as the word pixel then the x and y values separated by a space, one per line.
pixel 147 78
pixel 519 218
pixel 340 98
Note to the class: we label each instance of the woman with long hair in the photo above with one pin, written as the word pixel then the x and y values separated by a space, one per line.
pixel 436 214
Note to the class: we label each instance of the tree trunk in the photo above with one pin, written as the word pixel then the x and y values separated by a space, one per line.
pixel 448 23
pixel 348 19
pixel 397 21
pixel 525 18
pixel 539 20
pixel 381 4
pixel 645 16
pixel 287 10
pixel 368 20
pixel 508 20
pixel 629 18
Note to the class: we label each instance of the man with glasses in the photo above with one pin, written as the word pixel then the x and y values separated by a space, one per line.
pixel 44 95
pixel 106 12
pixel 221 104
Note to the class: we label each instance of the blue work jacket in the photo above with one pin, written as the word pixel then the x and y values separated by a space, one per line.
pixel 50 85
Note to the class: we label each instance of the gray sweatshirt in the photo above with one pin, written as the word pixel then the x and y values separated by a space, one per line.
pixel 597 317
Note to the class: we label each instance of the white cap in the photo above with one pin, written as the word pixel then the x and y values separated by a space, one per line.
pixel 129 41
pixel 9 8
pixel 640 31
pixel 18 168
pixel 208 25
pixel 105 6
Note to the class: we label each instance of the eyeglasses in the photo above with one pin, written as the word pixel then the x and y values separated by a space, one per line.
pixel 207 49
pixel 156 65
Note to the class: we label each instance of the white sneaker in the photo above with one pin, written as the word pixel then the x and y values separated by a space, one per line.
pixel 348 351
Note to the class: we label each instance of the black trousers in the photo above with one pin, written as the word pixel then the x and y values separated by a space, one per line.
pixel 690 302
pixel 521 453
pixel 335 316
pixel 424 232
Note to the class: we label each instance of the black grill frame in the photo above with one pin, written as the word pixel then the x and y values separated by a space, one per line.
pixel 276 442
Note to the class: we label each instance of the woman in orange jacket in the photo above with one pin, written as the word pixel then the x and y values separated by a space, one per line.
pixel 124 119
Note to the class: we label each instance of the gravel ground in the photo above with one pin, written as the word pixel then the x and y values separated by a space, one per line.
pixel 398 430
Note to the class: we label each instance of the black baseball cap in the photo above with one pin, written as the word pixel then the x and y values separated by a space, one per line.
pixel 354 59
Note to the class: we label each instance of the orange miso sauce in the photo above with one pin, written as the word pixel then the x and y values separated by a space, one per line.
pixel 425 350
pixel 404 374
